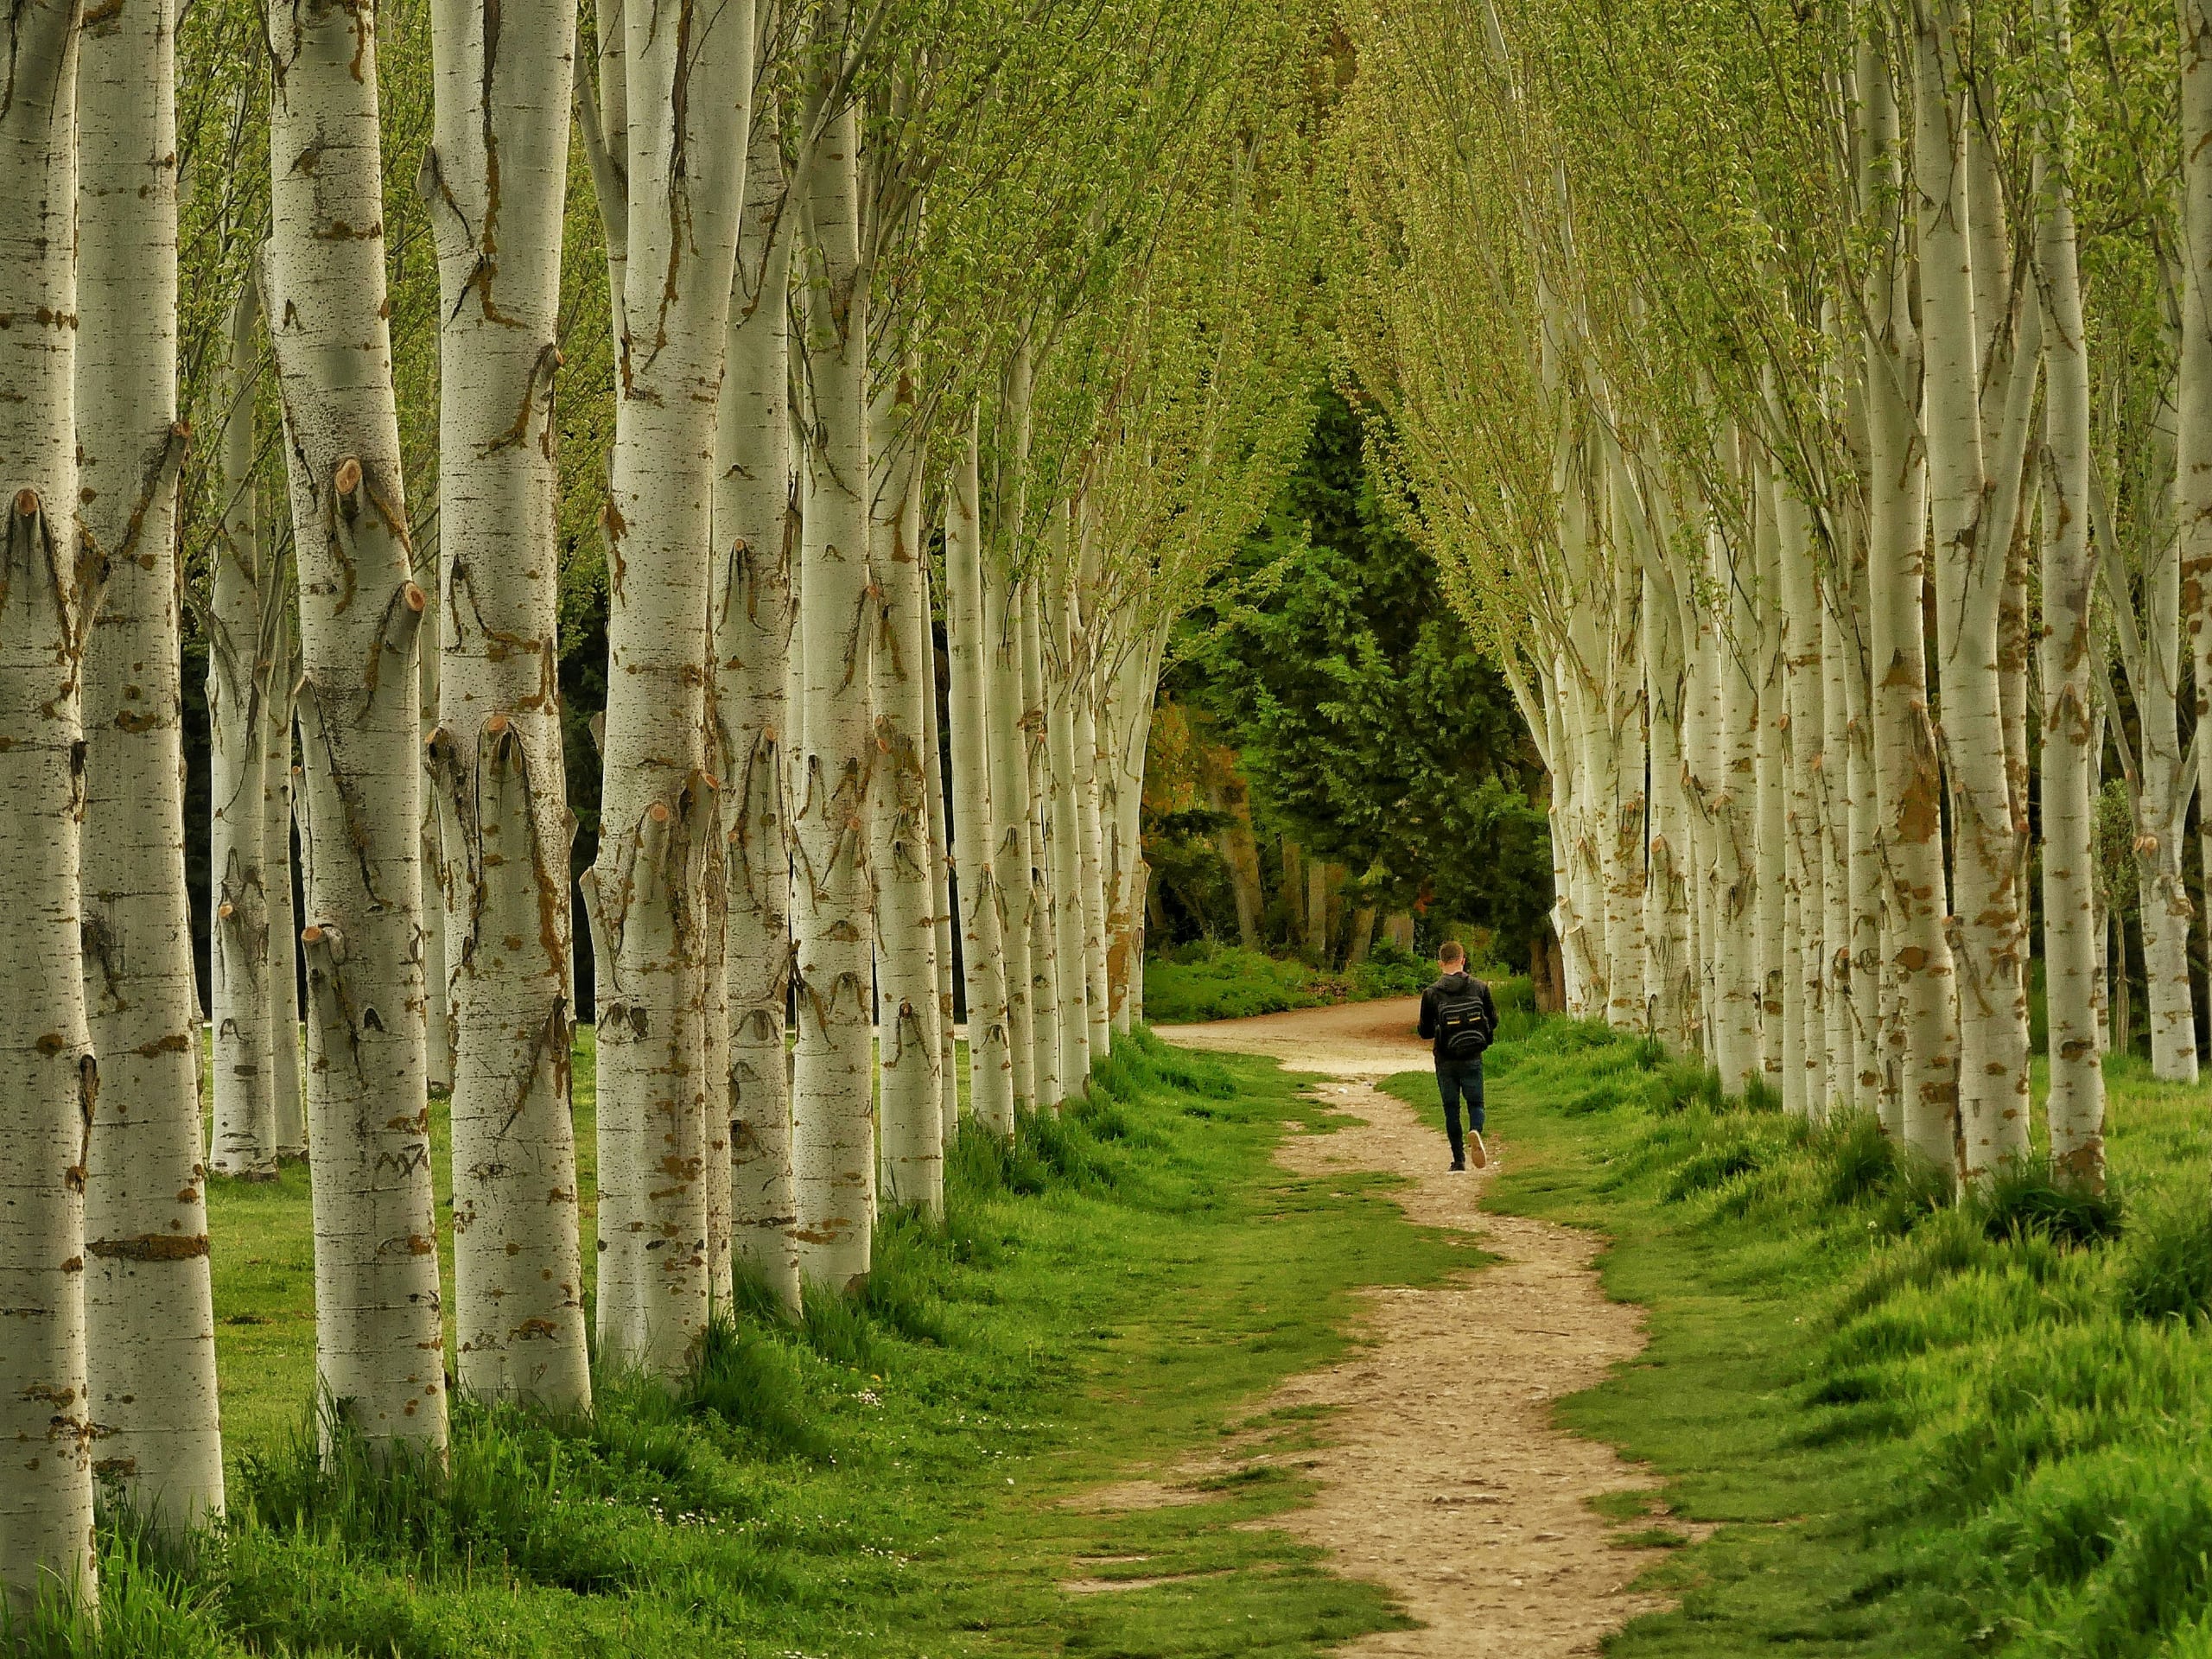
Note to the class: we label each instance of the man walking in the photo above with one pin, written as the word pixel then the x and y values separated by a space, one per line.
pixel 1457 1014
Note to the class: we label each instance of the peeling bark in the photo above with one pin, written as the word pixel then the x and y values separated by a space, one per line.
pixel 494 178
pixel 49 1078
pixel 975 735
pixel 756 530
pixel 379 1342
pixel 833 1123
pixel 675 86
pixel 149 1313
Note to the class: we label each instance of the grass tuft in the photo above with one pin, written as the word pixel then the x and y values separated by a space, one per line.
pixel 2024 1199
pixel 2167 1271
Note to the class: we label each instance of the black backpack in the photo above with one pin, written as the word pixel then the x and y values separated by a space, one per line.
pixel 1463 1030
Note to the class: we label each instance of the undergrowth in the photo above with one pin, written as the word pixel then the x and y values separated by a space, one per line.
pixel 1206 980
pixel 1941 1426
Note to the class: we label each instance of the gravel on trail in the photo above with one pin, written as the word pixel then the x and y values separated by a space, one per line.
pixel 1442 1474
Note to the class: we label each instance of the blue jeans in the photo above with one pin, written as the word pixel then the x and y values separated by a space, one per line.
pixel 1456 1078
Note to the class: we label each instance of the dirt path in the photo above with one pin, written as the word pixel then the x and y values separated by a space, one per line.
pixel 1443 1478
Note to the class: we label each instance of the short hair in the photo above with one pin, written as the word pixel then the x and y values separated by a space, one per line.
pixel 1450 952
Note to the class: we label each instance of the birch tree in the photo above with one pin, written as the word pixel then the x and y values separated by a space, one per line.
pixel 243 1072
pixel 834 1125
pixel 379 1341
pixel 969 705
pixel 48 587
pixel 495 178
pixel 756 530
pixel 667 139
pixel 148 1302
pixel 2071 925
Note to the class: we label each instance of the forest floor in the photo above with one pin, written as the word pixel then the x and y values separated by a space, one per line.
pixel 1198 1368
pixel 916 1473
pixel 1443 1474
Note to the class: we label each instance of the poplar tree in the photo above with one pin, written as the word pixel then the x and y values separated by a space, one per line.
pixel 149 1301
pixel 379 1338
pixel 50 584
pixel 495 178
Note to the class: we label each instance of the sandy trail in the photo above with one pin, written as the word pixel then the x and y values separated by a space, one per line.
pixel 1443 1478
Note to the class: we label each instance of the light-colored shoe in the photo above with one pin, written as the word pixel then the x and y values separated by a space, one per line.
pixel 1475 1147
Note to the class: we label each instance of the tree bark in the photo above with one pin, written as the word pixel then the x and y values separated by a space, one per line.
pixel 1009 758
pixel 1059 679
pixel 380 1342
pixel 279 786
pixel 1135 689
pixel 1087 692
pixel 2193 383
pixel 243 1071
pixel 970 708
pixel 2075 1105
pixel 909 1109
pixel 1735 874
pixel 149 1304
pixel 833 1123
pixel 1969 563
pixel 495 178
pixel 1923 1038
pixel 1044 961
pixel 756 532
pixel 48 1077
pixel 673 215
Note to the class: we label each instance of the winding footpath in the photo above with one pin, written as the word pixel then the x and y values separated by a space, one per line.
pixel 1443 1478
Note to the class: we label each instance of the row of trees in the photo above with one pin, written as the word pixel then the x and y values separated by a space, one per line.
pixel 900 310
pixel 1811 406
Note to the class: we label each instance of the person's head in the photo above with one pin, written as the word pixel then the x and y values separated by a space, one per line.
pixel 1451 956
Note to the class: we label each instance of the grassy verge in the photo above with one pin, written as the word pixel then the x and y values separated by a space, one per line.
pixel 1921 1429
pixel 1207 981
pixel 895 1478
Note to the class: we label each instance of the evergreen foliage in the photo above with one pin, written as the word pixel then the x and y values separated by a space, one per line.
pixel 1374 732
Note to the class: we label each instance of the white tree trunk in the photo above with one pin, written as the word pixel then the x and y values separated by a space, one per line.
pixel 1804 1086
pixel 379 1340
pixel 1009 760
pixel 279 781
pixel 437 964
pixel 242 1072
pixel 672 244
pixel 970 708
pixel 941 905
pixel 495 178
pixel 1780 1033
pixel 149 1306
pixel 756 531
pixel 1062 687
pixel 48 1079
pixel 1667 925
pixel 1837 660
pixel 1044 961
pixel 1969 566
pixel 1735 878
pixel 833 1123
pixel 1090 762
pixel 1626 834
pixel 2072 920
pixel 2193 383
pixel 912 1127
pixel 1135 682
pixel 1924 1037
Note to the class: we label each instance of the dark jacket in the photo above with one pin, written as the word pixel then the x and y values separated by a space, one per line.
pixel 1451 985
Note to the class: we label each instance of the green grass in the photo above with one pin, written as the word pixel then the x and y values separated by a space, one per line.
pixel 1119 1288
pixel 1207 981
pixel 1922 1429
